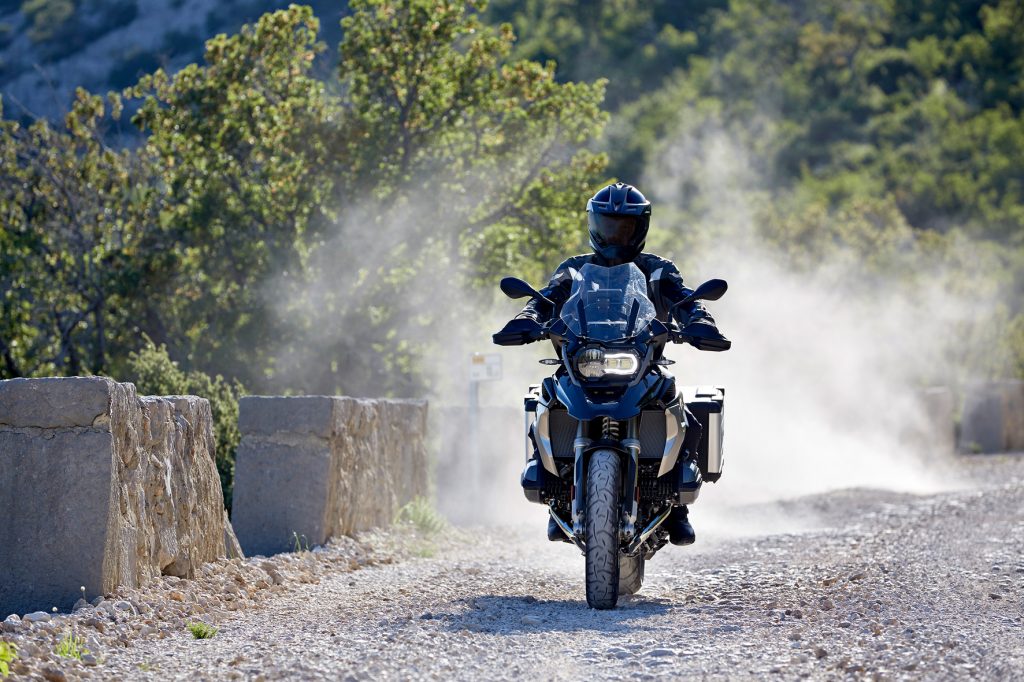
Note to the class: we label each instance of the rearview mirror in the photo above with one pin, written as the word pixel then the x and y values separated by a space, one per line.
pixel 513 287
pixel 711 290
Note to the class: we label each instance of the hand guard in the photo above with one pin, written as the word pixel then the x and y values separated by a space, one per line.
pixel 703 335
pixel 519 331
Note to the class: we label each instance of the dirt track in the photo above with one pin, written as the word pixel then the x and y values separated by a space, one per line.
pixel 881 584
pixel 890 584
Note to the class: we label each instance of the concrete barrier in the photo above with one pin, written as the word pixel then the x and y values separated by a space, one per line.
pixel 993 417
pixel 310 467
pixel 101 488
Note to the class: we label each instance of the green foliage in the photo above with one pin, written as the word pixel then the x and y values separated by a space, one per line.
pixel 422 515
pixel 201 630
pixel 8 654
pixel 47 17
pixel 154 373
pixel 304 231
pixel 71 646
pixel 847 102
pixel 73 247
pixel 242 147
pixel 300 543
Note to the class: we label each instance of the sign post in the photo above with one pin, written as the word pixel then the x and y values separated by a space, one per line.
pixel 482 367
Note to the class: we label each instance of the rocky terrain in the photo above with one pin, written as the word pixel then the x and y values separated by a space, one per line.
pixel 106 45
pixel 874 585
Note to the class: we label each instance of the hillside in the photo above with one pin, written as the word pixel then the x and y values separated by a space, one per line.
pixel 50 47
pixel 879 144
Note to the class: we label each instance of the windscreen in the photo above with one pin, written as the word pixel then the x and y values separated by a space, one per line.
pixel 608 296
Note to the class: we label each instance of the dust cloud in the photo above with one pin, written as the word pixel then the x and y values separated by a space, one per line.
pixel 823 381
pixel 825 377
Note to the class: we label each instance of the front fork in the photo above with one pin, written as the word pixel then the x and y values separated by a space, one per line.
pixel 630 492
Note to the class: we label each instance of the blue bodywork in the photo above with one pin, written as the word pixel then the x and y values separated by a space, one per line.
pixel 622 407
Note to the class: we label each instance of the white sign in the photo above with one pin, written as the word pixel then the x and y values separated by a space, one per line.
pixel 485 367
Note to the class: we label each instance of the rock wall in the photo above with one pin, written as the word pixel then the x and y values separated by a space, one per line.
pixel 309 467
pixel 101 488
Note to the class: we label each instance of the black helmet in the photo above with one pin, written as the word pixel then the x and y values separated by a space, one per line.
pixel 618 217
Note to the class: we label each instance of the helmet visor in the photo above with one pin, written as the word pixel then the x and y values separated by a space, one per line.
pixel 614 230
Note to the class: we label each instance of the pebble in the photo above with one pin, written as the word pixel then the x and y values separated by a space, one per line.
pixel 12 623
pixel 37 617
pixel 125 606
pixel 53 674
pixel 96 623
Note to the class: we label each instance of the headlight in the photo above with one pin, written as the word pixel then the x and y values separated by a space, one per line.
pixel 594 363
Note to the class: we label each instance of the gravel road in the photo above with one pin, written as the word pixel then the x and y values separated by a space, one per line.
pixel 876 585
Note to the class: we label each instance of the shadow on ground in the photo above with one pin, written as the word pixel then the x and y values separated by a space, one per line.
pixel 518 614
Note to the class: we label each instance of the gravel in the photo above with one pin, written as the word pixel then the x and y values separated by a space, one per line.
pixel 884 585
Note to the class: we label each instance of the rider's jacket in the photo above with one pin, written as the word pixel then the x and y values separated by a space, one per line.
pixel 665 288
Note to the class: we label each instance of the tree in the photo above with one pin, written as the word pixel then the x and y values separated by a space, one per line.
pixel 241 145
pixel 460 165
pixel 74 212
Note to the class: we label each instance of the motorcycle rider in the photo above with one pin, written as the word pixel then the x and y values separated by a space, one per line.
pixel 618 217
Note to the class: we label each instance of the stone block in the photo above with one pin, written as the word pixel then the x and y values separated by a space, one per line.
pixel 268 415
pixel 54 403
pixel 55 494
pixel 281 492
pixel 993 417
pixel 312 467
pixel 102 500
pixel 233 550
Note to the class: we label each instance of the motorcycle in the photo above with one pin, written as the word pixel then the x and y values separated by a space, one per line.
pixel 605 433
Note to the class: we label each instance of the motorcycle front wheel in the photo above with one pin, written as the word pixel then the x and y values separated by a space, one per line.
pixel 604 481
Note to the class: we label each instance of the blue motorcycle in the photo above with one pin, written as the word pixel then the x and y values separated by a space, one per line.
pixel 613 445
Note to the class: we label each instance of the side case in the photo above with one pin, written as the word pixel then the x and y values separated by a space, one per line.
pixel 707 403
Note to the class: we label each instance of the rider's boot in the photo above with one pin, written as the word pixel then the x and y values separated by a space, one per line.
pixel 555 533
pixel 680 532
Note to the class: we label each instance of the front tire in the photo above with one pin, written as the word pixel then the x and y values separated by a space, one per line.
pixel 604 481
pixel 631 573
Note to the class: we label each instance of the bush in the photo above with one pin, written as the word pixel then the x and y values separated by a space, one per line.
pixel 420 513
pixel 154 373
pixel 71 646
pixel 8 652
pixel 201 630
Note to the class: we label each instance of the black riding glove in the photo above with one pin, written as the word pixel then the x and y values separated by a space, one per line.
pixel 518 331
